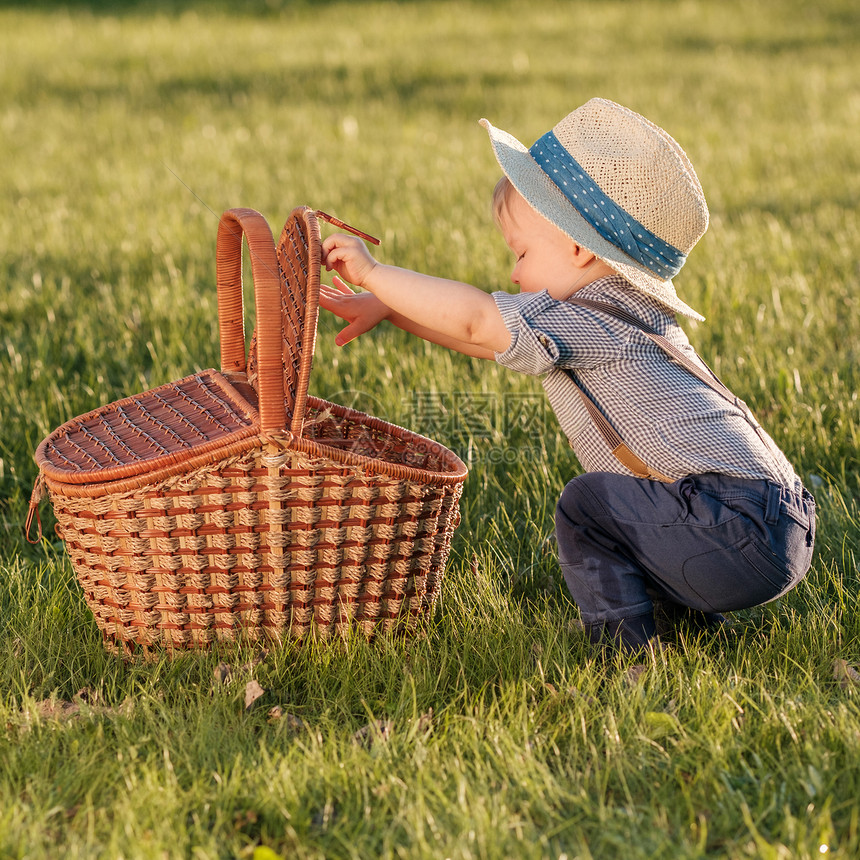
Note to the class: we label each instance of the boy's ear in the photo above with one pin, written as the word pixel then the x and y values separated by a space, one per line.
pixel 582 257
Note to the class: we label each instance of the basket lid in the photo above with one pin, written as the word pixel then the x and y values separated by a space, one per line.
pixel 299 253
pixel 145 432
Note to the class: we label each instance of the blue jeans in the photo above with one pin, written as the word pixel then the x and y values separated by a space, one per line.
pixel 709 542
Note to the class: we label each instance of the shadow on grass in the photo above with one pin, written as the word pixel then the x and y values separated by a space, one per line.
pixel 261 8
pixel 168 7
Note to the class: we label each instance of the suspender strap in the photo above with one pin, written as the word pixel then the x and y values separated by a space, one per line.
pixel 616 444
pixel 622 453
pixel 705 375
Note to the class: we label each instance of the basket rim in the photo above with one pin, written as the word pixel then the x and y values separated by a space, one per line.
pixel 283 441
pixel 458 472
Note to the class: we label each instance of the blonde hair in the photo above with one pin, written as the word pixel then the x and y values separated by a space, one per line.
pixel 503 194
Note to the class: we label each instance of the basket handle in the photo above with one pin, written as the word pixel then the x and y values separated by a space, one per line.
pixel 33 512
pixel 234 224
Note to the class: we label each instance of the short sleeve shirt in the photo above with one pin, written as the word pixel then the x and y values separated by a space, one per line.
pixel 674 422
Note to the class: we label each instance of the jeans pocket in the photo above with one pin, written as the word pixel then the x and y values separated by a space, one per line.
pixel 735 577
pixel 777 573
pixel 784 572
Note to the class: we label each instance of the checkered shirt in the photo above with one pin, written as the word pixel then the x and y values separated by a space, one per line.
pixel 673 421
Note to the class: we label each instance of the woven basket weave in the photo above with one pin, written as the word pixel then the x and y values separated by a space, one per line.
pixel 232 504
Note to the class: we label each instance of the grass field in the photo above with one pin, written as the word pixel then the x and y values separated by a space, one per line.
pixel 127 128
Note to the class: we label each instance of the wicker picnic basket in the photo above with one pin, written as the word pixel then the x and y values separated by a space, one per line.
pixel 233 504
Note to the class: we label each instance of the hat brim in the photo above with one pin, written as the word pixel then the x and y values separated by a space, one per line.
pixel 541 193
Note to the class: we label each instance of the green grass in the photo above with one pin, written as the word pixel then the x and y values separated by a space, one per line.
pixel 127 128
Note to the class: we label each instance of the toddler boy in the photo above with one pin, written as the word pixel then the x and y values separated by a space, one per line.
pixel 685 504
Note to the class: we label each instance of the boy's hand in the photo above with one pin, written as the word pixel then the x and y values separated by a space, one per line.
pixel 349 257
pixel 363 311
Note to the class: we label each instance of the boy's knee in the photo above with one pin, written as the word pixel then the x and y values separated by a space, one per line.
pixel 574 516
pixel 577 503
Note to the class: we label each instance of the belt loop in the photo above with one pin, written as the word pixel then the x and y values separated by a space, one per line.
pixel 771 514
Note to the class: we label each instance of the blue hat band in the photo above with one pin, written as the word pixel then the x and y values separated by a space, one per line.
pixel 605 216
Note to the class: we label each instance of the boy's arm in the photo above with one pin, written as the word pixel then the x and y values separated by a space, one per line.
pixel 452 312
pixel 429 334
pixel 363 311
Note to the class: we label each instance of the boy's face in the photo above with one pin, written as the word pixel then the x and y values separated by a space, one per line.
pixel 545 257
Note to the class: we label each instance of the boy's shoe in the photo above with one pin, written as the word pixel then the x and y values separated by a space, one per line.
pixel 669 617
pixel 627 635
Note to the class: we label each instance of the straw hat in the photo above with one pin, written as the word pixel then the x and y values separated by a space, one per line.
pixel 619 186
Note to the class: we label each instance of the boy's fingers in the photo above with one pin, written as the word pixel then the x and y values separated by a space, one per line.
pixel 329 243
pixel 335 246
pixel 344 336
pixel 341 284
pixel 331 255
pixel 352 331
pixel 337 293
